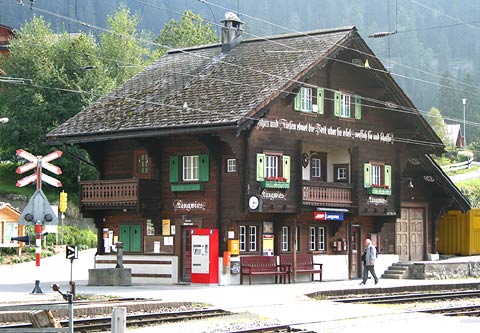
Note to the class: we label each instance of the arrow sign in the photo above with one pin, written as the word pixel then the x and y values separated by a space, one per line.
pixel 26 180
pixel 26 155
pixel 26 167
pixel 72 252
pixel 52 156
pixel 50 167
pixel 50 180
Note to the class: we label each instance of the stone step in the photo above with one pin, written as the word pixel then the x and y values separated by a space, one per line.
pixel 393 272
pixel 398 268
pixel 392 276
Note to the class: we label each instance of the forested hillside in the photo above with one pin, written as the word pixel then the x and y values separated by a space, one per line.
pixel 431 54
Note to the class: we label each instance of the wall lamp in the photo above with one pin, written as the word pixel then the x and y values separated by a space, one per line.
pixel 410 182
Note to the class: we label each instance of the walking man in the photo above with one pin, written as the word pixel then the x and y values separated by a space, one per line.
pixel 369 263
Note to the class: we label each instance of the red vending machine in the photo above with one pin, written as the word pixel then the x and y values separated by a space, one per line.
pixel 204 256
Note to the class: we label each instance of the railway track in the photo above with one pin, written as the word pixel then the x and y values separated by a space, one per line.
pixel 272 329
pixel 470 310
pixel 96 324
pixel 409 298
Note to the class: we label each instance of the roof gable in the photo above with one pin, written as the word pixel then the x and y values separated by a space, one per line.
pixel 201 86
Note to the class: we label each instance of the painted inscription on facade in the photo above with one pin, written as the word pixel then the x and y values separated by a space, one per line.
pixel 319 129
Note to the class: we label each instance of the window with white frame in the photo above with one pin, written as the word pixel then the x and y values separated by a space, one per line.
pixel 231 165
pixel 271 166
pixel 376 174
pixel 242 235
pixel 306 99
pixel 316 239
pixel 285 239
pixel 297 238
pixel 190 168
pixel 316 167
pixel 252 235
pixel 342 173
pixel 346 106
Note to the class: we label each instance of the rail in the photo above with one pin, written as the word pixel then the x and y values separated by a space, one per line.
pixel 327 193
pixel 109 192
pixel 457 166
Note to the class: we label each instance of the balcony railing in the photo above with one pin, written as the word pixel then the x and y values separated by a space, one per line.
pixel 119 193
pixel 337 194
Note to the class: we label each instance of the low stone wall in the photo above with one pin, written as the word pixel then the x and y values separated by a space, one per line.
pixel 445 270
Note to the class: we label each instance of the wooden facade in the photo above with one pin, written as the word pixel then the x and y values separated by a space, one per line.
pixel 327 155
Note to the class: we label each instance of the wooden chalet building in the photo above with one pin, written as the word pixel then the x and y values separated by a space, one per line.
pixel 6 34
pixel 299 142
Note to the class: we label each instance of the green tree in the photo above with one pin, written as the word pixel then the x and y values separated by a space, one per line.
pixel 448 100
pixel 124 50
pixel 191 30
pixel 436 121
pixel 54 87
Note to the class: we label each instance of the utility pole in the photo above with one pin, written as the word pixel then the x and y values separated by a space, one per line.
pixel 464 101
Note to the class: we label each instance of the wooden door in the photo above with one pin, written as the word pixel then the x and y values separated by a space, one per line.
pixel 124 237
pixel 356 244
pixel 131 237
pixel 135 238
pixel 409 232
pixel 186 264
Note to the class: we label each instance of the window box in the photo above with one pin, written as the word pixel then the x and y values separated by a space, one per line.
pixel 274 184
pixel 187 187
pixel 379 190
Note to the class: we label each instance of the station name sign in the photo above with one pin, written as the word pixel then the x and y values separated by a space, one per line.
pixel 189 205
pixel 328 216
pixel 319 129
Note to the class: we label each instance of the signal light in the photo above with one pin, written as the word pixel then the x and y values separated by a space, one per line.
pixel 62 207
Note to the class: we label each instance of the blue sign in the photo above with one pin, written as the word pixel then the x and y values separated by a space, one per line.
pixel 328 216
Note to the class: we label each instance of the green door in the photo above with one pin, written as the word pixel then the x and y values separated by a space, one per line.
pixel 131 237
pixel 125 236
pixel 135 238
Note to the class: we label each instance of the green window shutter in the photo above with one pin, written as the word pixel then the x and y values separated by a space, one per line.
pixel 297 102
pixel 260 167
pixel 173 169
pixel 358 107
pixel 203 168
pixel 337 104
pixel 320 100
pixel 388 176
pixel 367 182
pixel 286 167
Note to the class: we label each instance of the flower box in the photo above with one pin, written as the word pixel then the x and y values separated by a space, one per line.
pixel 379 191
pixel 274 184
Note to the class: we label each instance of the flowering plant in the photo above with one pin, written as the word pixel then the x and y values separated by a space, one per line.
pixel 379 186
pixel 276 179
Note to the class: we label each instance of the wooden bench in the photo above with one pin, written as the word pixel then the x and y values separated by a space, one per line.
pixel 305 264
pixel 262 265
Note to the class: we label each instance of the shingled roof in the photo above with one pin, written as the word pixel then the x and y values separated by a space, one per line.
pixel 202 87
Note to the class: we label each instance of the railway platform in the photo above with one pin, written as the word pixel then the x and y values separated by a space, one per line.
pixel 282 303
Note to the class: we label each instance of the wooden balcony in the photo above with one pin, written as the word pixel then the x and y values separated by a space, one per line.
pixel 323 194
pixel 140 194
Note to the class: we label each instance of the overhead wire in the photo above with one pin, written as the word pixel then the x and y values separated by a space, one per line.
pixel 352 49
pixel 108 30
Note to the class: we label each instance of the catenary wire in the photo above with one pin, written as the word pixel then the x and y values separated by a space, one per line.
pixel 355 50
pixel 107 30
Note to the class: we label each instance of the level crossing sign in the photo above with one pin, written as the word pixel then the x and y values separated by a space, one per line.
pixel 72 252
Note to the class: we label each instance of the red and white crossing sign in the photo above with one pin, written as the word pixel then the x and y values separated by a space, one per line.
pixel 39 162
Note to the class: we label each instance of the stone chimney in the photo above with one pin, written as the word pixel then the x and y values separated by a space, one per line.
pixel 231 31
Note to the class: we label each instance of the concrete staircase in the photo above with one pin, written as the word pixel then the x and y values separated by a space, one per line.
pixel 397 271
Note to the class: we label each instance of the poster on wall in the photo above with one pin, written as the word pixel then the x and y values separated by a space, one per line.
pixel 166 227
pixel 150 228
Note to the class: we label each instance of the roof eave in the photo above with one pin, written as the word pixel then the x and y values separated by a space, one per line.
pixel 55 140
